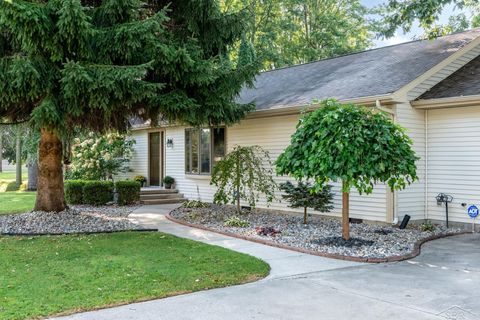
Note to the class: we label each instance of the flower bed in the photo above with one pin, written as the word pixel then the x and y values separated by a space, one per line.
pixel 321 235
pixel 77 219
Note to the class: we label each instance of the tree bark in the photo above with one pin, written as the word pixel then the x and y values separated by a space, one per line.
pixel 345 215
pixel 18 159
pixel 32 176
pixel 305 215
pixel 50 196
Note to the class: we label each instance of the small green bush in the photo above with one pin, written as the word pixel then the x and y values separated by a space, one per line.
pixel 74 191
pixel 236 222
pixel 168 180
pixel 427 227
pixel 195 204
pixel 128 192
pixel 97 192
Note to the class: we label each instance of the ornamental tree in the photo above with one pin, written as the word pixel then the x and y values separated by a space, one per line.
pixel 353 144
pixel 303 195
pixel 95 65
pixel 245 173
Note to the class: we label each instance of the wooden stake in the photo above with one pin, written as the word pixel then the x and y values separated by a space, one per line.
pixel 345 216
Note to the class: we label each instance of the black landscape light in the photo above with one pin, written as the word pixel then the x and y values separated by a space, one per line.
pixel 444 198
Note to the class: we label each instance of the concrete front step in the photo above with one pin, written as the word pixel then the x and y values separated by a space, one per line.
pixel 157 191
pixel 163 201
pixel 154 196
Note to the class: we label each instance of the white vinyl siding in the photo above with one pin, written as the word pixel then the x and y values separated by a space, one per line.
pixel 273 134
pixel 411 200
pixel 139 162
pixel 453 160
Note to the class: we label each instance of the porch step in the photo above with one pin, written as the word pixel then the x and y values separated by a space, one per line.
pixel 160 196
pixel 153 196
pixel 163 201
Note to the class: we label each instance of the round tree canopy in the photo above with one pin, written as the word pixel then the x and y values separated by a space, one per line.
pixel 355 144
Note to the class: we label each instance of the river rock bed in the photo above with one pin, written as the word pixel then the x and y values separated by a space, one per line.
pixel 322 234
pixel 76 219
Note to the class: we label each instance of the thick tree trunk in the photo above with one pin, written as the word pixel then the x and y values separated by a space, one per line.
pixel 50 195
pixel 18 159
pixel 32 175
pixel 345 216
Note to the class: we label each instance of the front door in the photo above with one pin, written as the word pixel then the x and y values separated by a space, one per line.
pixel 155 151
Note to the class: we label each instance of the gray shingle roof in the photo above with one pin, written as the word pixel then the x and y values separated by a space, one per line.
pixel 368 73
pixel 464 82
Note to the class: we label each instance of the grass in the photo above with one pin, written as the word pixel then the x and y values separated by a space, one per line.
pixel 42 276
pixel 12 200
pixel 16 202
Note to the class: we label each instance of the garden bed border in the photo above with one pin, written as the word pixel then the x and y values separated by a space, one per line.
pixel 416 250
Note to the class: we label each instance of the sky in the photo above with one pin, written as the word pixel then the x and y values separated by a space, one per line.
pixel 416 31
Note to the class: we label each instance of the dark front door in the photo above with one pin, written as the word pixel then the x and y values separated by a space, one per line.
pixel 155 147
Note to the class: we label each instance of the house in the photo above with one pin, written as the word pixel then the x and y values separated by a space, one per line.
pixel 430 87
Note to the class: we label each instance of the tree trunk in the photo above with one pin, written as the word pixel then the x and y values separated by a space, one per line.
pixel 238 200
pixel 18 159
pixel 305 215
pixel 50 196
pixel 345 216
pixel 32 176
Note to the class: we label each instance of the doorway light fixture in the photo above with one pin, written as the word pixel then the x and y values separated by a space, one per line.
pixel 169 143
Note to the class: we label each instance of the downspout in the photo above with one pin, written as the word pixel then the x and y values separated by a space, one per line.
pixel 426 164
pixel 379 106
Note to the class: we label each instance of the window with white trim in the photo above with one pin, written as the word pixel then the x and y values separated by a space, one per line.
pixel 203 148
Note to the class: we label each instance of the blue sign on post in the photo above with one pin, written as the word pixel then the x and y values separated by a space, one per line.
pixel 473 211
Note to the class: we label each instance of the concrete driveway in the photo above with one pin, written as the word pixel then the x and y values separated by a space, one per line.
pixel 442 283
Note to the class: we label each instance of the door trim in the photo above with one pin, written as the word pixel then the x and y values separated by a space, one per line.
pixel 162 155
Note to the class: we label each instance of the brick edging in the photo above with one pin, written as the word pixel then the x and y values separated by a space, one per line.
pixel 416 249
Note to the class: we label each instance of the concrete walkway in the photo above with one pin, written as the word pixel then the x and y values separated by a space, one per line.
pixel 440 284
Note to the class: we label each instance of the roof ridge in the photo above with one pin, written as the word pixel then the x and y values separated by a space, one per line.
pixel 370 50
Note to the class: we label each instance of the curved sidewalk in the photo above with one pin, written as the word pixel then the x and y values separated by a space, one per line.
pixel 303 286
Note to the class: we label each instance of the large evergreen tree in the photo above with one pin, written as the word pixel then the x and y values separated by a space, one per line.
pixel 96 64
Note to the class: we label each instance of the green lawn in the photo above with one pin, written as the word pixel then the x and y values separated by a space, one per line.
pixel 41 276
pixel 16 201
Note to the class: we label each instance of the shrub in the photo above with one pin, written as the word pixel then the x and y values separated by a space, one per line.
pixel 140 179
pixel 74 191
pixel 128 192
pixel 244 174
pixel 168 180
pixel 236 222
pixel 195 204
pixel 97 192
pixel 427 227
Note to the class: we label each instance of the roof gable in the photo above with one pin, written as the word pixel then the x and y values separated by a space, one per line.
pixel 369 73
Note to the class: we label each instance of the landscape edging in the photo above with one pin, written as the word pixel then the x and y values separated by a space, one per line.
pixel 37 234
pixel 416 250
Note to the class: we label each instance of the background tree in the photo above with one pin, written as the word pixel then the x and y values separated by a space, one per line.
pixel 287 32
pixel 403 14
pixel 244 174
pixel 303 195
pixel 100 157
pixel 66 64
pixel 352 144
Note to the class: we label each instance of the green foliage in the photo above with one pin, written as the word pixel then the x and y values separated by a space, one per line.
pixel 168 180
pixel 405 14
pixel 140 179
pixel 245 173
pixel 100 157
pixel 195 204
pixel 427 227
pixel 74 191
pixel 287 32
pixel 97 192
pixel 236 222
pixel 95 64
pixel 303 195
pixel 352 144
pixel 128 192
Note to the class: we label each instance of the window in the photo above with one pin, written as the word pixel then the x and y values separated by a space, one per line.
pixel 203 148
